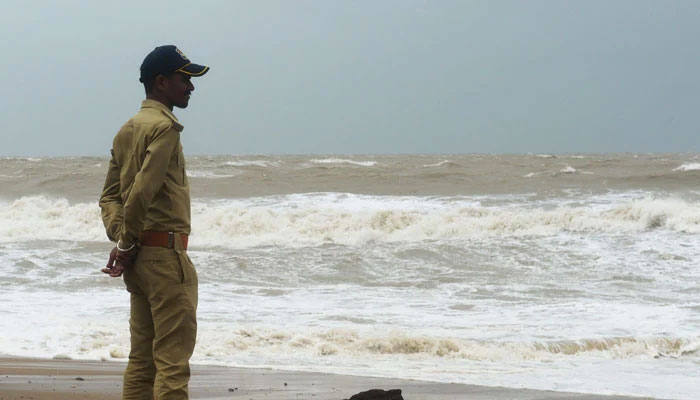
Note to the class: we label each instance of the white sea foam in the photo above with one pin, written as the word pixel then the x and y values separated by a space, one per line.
pixel 82 329
pixel 44 218
pixel 252 163
pixel 31 159
pixel 568 170
pixel 317 224
pixel 440 164
pixel 224 345
pixel 310 220
pixel 511 329
pixel 351 343
pixel 343 161
pixel 207 174
pixel 688 167
pixel 96 334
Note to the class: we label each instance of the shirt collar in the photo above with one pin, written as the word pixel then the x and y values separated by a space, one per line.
pixel 148 103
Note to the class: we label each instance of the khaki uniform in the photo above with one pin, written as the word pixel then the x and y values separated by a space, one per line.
pixel 147 190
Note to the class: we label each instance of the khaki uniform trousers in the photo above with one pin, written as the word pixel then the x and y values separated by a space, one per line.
pixel 163 323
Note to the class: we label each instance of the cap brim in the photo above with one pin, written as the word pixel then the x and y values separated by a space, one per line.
pixel 194 69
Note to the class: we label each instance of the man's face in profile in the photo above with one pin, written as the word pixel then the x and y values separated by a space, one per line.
pixel 178 89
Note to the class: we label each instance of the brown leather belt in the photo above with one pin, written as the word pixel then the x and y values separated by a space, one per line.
pixel 161 239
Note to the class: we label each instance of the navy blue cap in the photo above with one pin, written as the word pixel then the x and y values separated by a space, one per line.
pixel 164 60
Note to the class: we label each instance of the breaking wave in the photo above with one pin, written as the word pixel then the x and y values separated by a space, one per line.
pixel 207 174
pixel 311 220
pixel 251 163
pixel 344 161
pixel 688 167
pixel 568 170
pixel 222 345
pixel 441 163
pixel 350 342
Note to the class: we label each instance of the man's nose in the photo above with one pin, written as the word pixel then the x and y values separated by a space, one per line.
pixel 191 86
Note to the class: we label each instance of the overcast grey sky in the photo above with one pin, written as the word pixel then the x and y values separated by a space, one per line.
pixel 361 76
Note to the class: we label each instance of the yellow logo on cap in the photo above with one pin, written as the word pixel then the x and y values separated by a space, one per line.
pixel 184 57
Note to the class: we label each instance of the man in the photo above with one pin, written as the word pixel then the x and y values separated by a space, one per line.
pixel 146 211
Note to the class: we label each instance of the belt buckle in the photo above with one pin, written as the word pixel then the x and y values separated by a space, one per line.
pixel 171 240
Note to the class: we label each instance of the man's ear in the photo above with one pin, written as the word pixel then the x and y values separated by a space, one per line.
pixel 161 83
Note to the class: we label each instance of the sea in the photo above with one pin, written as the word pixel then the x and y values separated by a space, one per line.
pixel 574 272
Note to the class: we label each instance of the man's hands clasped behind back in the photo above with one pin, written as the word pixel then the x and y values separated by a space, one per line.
pixel 119 261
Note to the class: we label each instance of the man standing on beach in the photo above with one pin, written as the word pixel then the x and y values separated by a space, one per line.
pixel 146 211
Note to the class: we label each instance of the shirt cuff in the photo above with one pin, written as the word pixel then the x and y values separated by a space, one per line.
pixel 125 243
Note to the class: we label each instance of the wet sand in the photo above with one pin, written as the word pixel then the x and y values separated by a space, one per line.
pixel 38 379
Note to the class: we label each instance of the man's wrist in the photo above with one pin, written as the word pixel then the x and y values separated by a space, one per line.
pixel 122 247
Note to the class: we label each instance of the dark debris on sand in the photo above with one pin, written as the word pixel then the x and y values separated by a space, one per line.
pixel 378 394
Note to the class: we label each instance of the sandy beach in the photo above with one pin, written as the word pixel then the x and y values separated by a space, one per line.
pixel 39 379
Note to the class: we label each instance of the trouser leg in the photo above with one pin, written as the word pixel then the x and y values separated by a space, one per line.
pixel 173 306
pixel 140 371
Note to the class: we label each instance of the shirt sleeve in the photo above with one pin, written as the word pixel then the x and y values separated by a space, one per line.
pixel 147 182
pixel 111 201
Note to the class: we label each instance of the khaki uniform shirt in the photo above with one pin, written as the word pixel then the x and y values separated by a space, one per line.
pixel 146 187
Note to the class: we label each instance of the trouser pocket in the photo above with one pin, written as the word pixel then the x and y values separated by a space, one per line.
pixel 189 277
pixel 189 273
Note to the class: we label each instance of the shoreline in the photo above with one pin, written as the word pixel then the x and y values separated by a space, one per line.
pixel 50 379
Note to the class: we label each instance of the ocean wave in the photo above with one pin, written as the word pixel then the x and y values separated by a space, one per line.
pixel 220 343
pixel 688 167
pixel 390 353
pixel 30 159
pixel 251 163
pixel 343 161
pixel 348 341
pixel 568 170
pixel 355 220
pixel 207 174
pixel 318 224
pixel 440 164
pixel 44 218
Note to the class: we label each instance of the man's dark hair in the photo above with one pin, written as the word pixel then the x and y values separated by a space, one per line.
pixel 148 83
